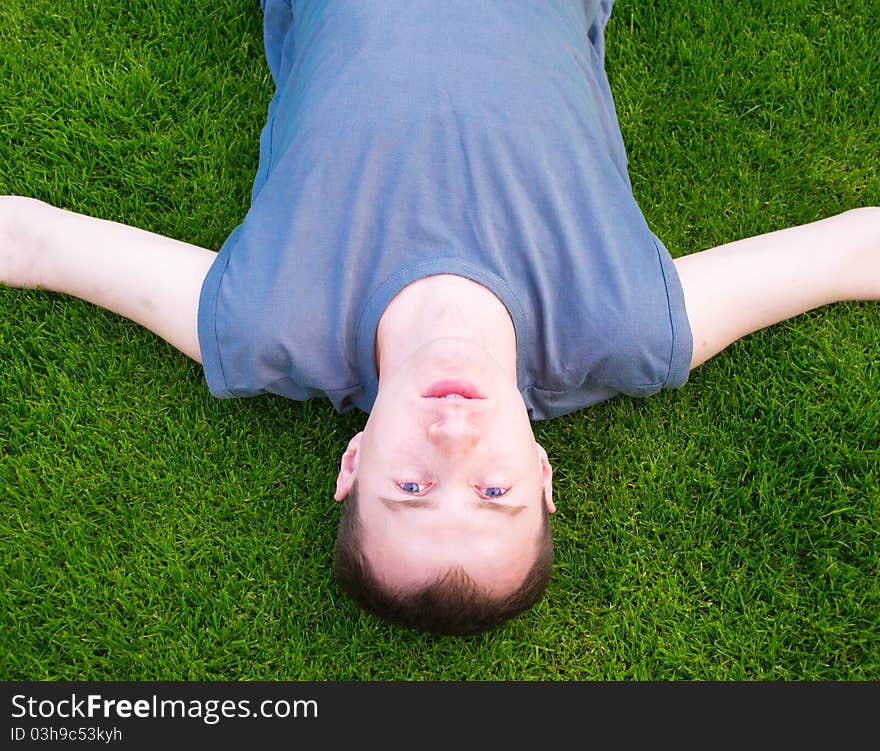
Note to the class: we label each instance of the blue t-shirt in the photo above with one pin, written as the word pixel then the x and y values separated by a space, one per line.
pixel 416 137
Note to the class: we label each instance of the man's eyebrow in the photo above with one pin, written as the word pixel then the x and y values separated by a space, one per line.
pixel 422 503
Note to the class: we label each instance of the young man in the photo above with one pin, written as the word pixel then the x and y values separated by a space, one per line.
pixel 443 235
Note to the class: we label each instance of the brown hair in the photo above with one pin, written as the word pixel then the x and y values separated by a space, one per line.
pixel 452 604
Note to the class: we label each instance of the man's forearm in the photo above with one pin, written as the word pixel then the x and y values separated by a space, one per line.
pixel 743 286
pixel 153 280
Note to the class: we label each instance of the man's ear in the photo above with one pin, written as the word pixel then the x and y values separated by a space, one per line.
pixel 546 477
pixel 348 467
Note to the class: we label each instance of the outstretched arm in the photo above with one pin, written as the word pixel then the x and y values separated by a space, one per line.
pixel 153 280
pixel 743 286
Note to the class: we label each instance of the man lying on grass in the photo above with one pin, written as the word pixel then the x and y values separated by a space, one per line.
pixel 442 234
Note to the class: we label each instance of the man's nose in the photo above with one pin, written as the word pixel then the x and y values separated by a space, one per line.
pixel 454 430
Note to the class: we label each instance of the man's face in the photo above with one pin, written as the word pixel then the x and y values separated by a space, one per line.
pixel 448 480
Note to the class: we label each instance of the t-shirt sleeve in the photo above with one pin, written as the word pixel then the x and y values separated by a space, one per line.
pixel 646 338
pixel 638 341
pixel 207 321
pixel 243 352
pixel 682 346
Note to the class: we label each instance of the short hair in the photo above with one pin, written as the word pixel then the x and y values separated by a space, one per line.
pixel 451 604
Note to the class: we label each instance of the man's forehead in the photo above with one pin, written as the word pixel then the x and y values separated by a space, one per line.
pixel 434 503
pixel 414 556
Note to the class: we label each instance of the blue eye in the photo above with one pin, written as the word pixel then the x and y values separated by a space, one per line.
pixel 494 492
pixel 411 487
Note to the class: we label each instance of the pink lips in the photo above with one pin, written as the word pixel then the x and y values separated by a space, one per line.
pixel 453 386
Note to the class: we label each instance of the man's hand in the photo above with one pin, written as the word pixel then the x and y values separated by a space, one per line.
pixel 153 280
pixel 743 286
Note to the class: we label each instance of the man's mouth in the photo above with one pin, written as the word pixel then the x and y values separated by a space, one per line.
pixel 453 388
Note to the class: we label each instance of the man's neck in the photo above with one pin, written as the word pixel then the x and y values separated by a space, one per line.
pixel 439 307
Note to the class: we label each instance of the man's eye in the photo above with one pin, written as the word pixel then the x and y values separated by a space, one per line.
pixel 411 487
pixel 494 492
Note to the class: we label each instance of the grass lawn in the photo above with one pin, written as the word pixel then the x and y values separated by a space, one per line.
pixel 728 530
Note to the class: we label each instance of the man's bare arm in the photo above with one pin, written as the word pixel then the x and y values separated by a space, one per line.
pixel 153 280
pixel 743 286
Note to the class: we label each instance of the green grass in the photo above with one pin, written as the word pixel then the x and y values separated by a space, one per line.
pixel 725 531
